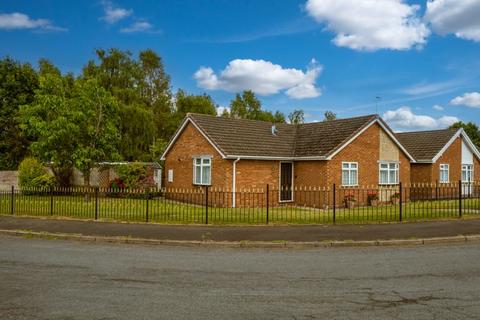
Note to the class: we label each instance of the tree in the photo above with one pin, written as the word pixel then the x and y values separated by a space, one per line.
pixel 185 103
pixel 71 128
pixel 18 83
pixel 247 106
pixel 138 84
pixel 97 113
pixel 53 126
pixel 296 117
pixel 471 130
pixel 330 115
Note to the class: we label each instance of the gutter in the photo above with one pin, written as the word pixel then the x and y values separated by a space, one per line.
pixel 234 182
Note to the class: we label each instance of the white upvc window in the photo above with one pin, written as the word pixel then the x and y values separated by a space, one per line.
pixel 170 175
pixel 467 172
pixel 444 173
pixel 349 174
pixel 388 173
pixel 202 170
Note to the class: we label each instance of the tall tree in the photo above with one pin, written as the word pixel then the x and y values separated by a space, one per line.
pixel 330 115
pixel 18 83
pixel 247 106
pixel 98 137
pixel 71 128
pixel 53 125
pixel 297 116
pixel 142 88
pixel 185 103
pixel 471 129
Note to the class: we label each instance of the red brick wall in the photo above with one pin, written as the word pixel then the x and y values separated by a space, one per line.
pixel 191 143
pixel 421 172
pixel 453 157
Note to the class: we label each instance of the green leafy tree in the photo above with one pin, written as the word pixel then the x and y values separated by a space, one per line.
pixel 98 139
pixel 137 134
pixel 297 116
pixel 18 83
pixel 185 103
pixel 247 106
pixel 471 130
pixel 142 88
pixel 330 115
pixel 53 126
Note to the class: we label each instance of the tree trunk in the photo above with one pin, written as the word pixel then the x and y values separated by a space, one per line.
pixel 63 175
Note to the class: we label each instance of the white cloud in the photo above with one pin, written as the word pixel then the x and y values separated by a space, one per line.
pixel 262 77
pixel 453 16
pixel 114 14
pixel 404 119
pixel 16 20
pixel 469 99
pixel 371 24
pixel 438 107
pixel 139 26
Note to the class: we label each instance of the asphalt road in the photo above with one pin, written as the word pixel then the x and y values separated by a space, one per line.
pixel 56 279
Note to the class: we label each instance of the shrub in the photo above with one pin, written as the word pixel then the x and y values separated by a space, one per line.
pixel 132 174
pixel 32 175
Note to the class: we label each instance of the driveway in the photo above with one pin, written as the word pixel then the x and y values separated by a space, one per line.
pixel 51 279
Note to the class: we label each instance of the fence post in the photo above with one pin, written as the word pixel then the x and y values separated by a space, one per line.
pixel 146 209
pixel 400 200
pixel 206 204
pixel 51 201
pixel 459 198
pixel 12 200
pixel 334 203
pixel 96 203
pixel 268 201
pixel 436 190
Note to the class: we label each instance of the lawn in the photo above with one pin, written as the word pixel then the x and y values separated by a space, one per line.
pixel 169 211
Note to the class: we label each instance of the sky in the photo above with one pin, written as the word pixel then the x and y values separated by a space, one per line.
pixel 416 63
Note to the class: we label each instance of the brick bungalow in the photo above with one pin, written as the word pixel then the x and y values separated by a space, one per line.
pixel 237 154
pixel 442 156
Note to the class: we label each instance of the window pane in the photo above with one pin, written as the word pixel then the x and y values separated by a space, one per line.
pixel 206 161
pixel 198 174
pixel 198 161
pixel 383 176
pixel 345 177
pixel 383 166
pixel 353 177
pixel 353 166
pixel 392 166
pixel 206 175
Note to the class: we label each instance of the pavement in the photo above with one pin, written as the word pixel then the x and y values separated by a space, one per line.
pixel 43 279
pixel 410 233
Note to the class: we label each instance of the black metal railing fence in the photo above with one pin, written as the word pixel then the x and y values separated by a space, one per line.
pixel 311 205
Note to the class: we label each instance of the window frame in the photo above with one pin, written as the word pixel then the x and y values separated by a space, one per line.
pixel 349 170
pixel 470 170
pixel 389 170
pixel 202 166
pixel 444 167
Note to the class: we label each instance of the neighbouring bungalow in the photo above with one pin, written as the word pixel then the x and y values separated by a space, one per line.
pixel 442 156
pixel 237 154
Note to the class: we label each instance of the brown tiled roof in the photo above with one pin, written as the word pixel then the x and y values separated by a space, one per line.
pixel 247 137
pixel 323 138
pixel 425 145
pixel 254 138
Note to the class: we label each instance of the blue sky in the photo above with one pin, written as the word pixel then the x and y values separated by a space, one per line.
pixel 421 58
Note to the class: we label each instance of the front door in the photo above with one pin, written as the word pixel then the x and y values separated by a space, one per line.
pixel 286 181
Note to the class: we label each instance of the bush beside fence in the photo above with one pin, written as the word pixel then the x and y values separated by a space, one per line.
pixel 310 205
